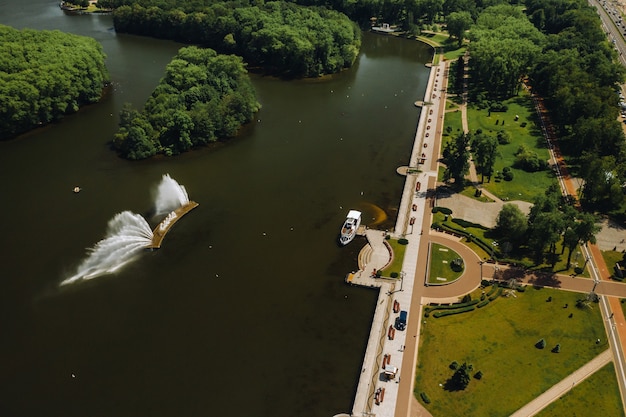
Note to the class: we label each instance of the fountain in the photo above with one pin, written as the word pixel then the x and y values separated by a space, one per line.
pixel 128 234
pixel 170 196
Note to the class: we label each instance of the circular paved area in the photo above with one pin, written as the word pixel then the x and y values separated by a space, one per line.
pixel 468 282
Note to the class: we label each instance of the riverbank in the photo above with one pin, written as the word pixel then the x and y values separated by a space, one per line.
pixel 387 343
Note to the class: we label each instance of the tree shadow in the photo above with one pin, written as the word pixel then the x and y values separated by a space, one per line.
pixel 454 384
pixel 545 279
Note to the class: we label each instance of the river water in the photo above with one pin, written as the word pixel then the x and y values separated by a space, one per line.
pixel 243 311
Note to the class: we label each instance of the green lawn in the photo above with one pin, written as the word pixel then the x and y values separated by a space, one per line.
pixel 452 119
pixel 398 257
pixel 440 269
pixel 525 185
pixel 586 399
pixel 611 257
pixel 499 340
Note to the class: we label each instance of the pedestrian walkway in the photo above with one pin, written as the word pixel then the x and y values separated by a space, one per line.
pixel 563 386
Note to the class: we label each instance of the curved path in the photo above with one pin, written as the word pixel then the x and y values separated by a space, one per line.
pixel 468 282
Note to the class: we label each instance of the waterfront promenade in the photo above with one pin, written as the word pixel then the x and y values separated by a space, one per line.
pixel 413 223
pixel 411 291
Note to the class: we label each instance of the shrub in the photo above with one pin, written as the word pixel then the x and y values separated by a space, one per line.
pixel 483 303
pixel 578 270
pixel 465 223
pixel 528 160
pixel 425 397
pixel 485 283
pixel 507 174
pixel 466 298
pixel 403 241
pixel 454 365
pixel 444 313
pixel 496 295
pixel 498 106
pixel 478 375
pixel 394 275
pixel 452 306
pixel 503 137
pixel 540 344
pixel 493 289
pixel 557 348
pixel 457 264
pixel 444 210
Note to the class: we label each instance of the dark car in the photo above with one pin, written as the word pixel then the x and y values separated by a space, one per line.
pixel 401 320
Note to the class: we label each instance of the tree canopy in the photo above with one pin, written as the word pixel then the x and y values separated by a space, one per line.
pixel 45 75
pixel 203 97
pixel 282 37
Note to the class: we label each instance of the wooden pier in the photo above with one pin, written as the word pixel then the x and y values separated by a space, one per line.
pixel 166 224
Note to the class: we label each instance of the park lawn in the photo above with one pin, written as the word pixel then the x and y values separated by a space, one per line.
pixel 397 259
pixel 525 185
pixel 473 228
pixel 611 257
pixel 453 120
pixel 440 172
pixel 471 193
pixel 499 340
pixel 587 400
pixel 440 258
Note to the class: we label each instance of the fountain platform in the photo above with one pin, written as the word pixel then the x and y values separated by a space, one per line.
pixel 166 224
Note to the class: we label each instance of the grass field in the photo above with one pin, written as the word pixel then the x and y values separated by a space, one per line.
pixel 525 185
pixel 611 257
pixel 587 400
pixel 398 257
pixel 499 340
pixel 453 119
pixel 440 271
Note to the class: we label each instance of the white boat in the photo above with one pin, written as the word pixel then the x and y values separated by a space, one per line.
pixel 350 226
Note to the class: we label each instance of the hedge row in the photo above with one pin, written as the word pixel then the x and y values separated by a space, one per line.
pixel 483 303
pixel 425 397
pixel 493 289
pixel 444 210
pixel 452 306
pixel 465 223
pixel 451 312
pixel 446 227
pixel 496 295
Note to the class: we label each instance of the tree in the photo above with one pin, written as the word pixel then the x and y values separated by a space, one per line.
pixel 511 223
pixel 45 75
pixel 202 97
pixel 456 159
pixel 458 23
pixel 485 148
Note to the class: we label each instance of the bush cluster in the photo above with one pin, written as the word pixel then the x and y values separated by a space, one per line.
pixel 444 313
pixel 444 210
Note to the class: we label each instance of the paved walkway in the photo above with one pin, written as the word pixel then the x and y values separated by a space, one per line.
pixel 411 292
pixel 563 386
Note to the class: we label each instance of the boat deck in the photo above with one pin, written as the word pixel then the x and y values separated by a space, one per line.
pixel 166 224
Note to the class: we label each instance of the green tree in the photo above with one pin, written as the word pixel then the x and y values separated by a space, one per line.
pixel 458 23
pixel 456 158
pixel 485 149
pixel 511 223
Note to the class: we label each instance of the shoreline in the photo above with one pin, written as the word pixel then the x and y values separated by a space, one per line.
pixel 424 155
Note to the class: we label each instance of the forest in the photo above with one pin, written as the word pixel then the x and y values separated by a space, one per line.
pixel 45 75
pixel 203 97
pixel 282 38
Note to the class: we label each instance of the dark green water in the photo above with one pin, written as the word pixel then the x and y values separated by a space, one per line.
pixel 243 312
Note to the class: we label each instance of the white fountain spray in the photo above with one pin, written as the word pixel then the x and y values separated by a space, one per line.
pixel 170 195
pixel 128 234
